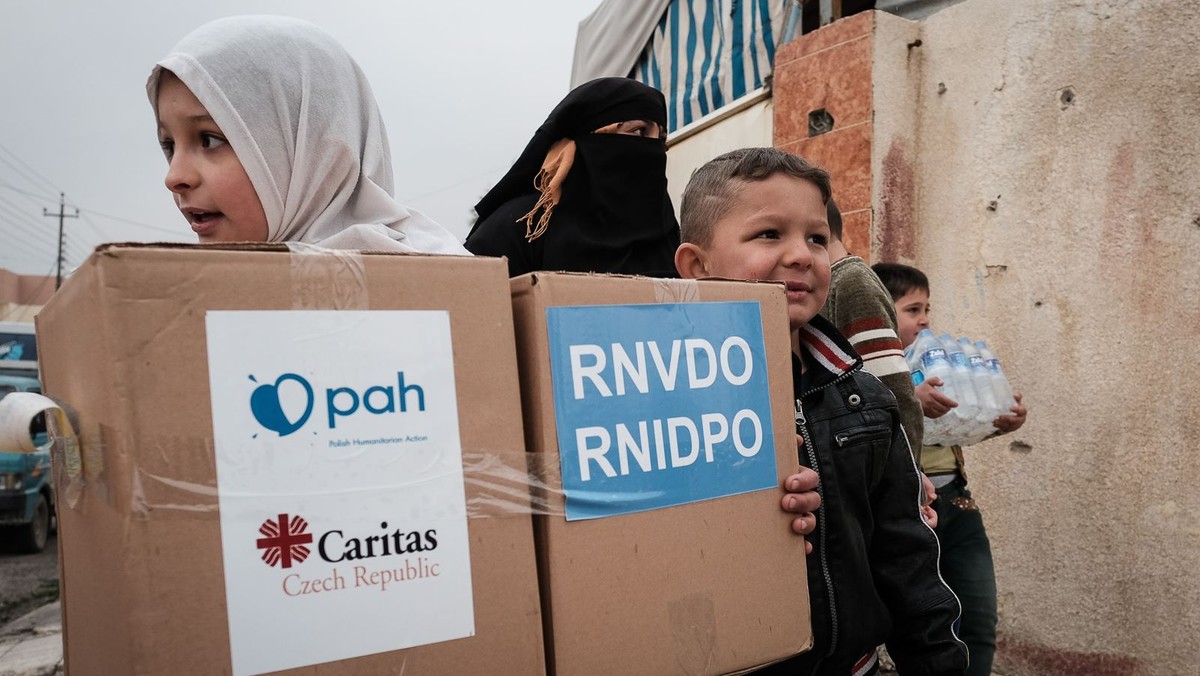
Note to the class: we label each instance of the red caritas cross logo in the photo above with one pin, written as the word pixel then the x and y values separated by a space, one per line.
pixel 284 541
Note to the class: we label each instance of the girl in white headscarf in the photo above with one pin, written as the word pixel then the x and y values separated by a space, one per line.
pixel 273 134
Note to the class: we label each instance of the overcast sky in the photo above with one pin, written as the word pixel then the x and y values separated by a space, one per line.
pixel 462 87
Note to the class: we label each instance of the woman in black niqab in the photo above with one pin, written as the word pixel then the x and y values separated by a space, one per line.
pixel 584 196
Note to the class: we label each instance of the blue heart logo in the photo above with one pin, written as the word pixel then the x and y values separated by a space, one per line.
pixel 268 410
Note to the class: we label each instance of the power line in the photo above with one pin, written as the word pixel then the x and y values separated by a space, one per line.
pixel 81 247
pixel 100 236
pixel 22 173
pixel 29 249
pixel 23 222
pixel 16 207
pixel 23 236
pixel 75 246
pixel 81 244
pixel 30 252
pixel 73 261
pixel 57 189
pixel 20 217
pixel 27 193
pixel 91 211
pixel 26 234
pixel 26 225
pixel 128 221
pixel 30 168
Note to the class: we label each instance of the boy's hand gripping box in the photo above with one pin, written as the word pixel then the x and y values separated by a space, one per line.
pixel 282 457
pixel 660 418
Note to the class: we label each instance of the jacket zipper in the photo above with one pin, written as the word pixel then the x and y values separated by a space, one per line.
pixel 811 451
pixel 802 425
pixel 845 437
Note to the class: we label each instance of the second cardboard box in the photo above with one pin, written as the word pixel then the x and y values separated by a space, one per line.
pixel 659 415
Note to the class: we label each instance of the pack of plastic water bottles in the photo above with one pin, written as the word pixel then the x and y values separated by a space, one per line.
pixel 970 375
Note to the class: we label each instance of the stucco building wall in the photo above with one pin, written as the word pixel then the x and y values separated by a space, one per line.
pixel 1040 161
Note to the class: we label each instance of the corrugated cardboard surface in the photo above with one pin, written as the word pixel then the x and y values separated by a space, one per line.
pixel 705 588
pixel 123 344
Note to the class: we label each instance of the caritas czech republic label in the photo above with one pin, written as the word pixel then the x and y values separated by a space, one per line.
pixel 340 483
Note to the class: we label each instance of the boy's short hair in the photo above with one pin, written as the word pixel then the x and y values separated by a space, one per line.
pixel 901 279
pixel 710 192
pixel 835 219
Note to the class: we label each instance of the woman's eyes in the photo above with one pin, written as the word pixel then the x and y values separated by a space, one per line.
pixel 168 147
pixel 210 140
pixel 641 128
pixel 636 129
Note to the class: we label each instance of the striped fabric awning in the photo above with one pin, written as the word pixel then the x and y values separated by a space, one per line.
pixel 701 54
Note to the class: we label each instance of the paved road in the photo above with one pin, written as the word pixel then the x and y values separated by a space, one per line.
pixel 27 581
pixel 30 624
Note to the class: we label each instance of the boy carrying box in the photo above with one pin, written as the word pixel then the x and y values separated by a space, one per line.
pixel 760 214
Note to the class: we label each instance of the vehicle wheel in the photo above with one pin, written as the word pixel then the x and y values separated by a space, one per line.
pixel 32 536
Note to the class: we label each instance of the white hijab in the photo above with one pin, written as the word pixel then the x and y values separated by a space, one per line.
pixel 303 121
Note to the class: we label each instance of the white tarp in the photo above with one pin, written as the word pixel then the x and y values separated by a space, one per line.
pixel 702 54
pixel 613 37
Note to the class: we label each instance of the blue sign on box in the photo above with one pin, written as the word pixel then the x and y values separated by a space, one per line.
pixel 659 405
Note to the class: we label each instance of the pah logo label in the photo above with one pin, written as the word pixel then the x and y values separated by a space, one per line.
pixel 340 402
pixel 268 409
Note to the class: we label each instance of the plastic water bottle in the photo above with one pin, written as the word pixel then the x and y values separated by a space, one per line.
pixel 967 413
pixel 928 360
pixel 1003 391
pixel 981 378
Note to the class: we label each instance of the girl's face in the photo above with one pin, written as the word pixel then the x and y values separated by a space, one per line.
pixel 211 188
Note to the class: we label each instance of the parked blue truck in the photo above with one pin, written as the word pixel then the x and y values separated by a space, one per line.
pixel 26 485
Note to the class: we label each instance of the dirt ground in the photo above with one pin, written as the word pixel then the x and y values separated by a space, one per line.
pixel 27 581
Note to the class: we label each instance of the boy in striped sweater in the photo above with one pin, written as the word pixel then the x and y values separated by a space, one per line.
pixel 861 308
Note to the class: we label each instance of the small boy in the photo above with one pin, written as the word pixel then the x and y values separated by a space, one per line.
pixel 759 214
pixel 966 552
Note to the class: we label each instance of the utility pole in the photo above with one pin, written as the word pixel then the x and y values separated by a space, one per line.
pixel 62 213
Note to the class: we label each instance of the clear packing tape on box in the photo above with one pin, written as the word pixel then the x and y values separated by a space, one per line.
pixel 321 279
pixel 497 487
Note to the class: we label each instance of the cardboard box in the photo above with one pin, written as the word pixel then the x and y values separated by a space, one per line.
pixel 610 379
pixel 271 469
